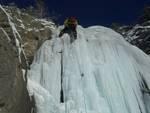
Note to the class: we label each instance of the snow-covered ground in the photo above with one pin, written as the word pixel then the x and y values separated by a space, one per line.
pixel 101 73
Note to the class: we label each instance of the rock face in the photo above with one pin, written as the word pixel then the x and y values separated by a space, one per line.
pixel 14 97
pixel 33 31
pixel 139 34
pixel 19 38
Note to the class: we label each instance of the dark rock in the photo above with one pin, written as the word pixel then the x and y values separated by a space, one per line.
pixel 14 97
pixel 138 34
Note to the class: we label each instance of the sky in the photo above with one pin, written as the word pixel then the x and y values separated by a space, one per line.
pixel 92 12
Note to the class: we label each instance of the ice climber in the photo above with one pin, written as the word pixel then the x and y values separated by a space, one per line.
pixel 70 26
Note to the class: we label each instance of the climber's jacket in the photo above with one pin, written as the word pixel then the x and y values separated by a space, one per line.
pixel 70 25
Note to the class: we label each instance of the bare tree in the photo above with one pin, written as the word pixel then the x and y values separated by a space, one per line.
pixel 41 10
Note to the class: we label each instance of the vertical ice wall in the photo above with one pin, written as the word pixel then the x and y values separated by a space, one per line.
pixel 101 73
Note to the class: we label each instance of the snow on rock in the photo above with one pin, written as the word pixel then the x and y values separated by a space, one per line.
pixel 17 37
pixel 138 35
pixel 20 24
pixel 15 33
pixel 100 71
pixel 46 23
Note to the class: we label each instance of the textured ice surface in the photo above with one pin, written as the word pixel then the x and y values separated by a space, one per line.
pixel 101 73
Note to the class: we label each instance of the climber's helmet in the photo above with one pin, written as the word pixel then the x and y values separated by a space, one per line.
pixel 71 21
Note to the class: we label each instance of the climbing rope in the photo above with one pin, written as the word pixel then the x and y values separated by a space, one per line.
pixel 81 79
pixel 65 96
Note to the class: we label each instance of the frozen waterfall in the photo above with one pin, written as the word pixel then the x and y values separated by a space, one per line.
pixel 98 73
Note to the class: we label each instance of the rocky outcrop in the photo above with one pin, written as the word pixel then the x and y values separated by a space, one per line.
pixel 20 37
pixel 138 34
pixel 33 31
pixel 14 97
